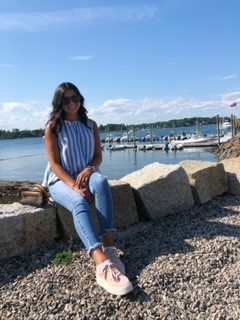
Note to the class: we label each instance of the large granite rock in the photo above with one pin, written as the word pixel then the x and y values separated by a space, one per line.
pixel 65 224
pixel 232 167
pixel 230 148
pixel 25 228
pixel 207 179
pixel 160 190
pixel 125 210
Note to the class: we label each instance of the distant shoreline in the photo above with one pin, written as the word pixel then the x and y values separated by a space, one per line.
pixel 170 124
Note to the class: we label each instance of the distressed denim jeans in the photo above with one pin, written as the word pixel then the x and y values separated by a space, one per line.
pixel 81 210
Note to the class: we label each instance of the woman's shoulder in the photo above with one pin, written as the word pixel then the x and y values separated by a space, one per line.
pixel 50 126
pixel 50 130
pixel 91 123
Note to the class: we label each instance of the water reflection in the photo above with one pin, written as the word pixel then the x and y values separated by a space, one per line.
pixel 25 159
pixel 120 163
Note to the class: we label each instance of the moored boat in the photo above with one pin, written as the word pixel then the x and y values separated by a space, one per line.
pixel 115 147
pixel 226 124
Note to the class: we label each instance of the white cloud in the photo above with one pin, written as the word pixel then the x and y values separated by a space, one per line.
pixel 221 78
pixel 231 97
pixel 23 115
pixel 17 106
pixel 117 104
pixel 128 111
pixel 150 110
pixel 230 77
pixel 82 58
pixel 37 21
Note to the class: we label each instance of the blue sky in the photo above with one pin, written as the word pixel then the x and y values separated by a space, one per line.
pixel 134 61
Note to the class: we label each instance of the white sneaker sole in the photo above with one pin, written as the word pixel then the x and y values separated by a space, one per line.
pixel 114 290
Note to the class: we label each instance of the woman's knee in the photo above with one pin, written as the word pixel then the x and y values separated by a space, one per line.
pixel 99 182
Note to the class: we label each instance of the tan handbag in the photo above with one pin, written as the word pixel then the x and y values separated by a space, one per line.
pixel 35 195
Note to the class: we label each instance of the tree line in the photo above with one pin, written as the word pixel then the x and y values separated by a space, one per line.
pixel 16 134
pixel 175 123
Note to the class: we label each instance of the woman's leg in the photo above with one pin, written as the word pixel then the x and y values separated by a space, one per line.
pixel 107 275
pixel 100 188
pixel 82 217
pixel 104 204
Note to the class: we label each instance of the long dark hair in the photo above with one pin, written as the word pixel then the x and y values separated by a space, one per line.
pixel 58 115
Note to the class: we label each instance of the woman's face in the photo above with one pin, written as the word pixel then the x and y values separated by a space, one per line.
pixel 71 104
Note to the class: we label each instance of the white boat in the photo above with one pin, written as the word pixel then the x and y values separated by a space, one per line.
pixel 108 139
pixel 149 137
pixel 115 147
pixel 129 137
pixel 174 145
pixel 146 147
pixel 226 124
pixel 198 141
pixel 126 138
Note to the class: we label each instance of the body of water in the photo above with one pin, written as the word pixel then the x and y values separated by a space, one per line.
pixel 26 159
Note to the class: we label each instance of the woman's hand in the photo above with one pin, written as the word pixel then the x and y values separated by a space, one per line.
pixel 83 178
pixel 81 184
pixel 84 192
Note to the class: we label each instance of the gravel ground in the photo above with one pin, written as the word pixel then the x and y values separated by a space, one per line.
pixel 186 266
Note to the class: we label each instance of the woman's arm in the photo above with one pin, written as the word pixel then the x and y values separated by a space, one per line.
pixel 54 156
pixel 97 159
pixel 84 176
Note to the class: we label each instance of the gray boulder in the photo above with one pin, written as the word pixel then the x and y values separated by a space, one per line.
pixel 232 167
pixel 25 228
pixel 160 190
pixel 124 203
pixel 207 179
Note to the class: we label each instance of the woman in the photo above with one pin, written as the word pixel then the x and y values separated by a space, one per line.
pixel 73 178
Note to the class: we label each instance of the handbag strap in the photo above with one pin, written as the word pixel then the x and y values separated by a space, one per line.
pixel 42 188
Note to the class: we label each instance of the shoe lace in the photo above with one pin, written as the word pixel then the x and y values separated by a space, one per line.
pixel 112 253
pixel 114 272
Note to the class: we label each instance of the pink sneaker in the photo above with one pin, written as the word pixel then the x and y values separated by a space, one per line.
pixel 111 253
pixel 109 278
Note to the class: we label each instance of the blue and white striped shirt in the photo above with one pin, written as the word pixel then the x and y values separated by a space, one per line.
pixel 76 145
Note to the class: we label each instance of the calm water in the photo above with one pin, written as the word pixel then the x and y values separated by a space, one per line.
pixel 25 159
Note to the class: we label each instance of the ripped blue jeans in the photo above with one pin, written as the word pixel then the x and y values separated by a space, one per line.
pixel 81 210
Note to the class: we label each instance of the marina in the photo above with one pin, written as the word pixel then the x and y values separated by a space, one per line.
pixel 25 159
pixel 167 144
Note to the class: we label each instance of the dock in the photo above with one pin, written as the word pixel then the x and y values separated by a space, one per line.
pixel 187 143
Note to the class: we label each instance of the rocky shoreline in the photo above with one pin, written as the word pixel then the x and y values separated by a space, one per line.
pixel 229 149
pixel 186 266
pixel 9 189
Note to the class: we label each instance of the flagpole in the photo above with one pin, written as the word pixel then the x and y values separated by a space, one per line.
pixel 232 125
pixel 234 119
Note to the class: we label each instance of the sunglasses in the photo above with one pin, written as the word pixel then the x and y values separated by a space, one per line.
pixel 67 100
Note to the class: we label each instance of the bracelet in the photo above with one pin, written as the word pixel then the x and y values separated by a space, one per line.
pixel 92 167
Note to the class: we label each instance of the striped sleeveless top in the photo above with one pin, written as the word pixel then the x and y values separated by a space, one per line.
pixel 76 144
